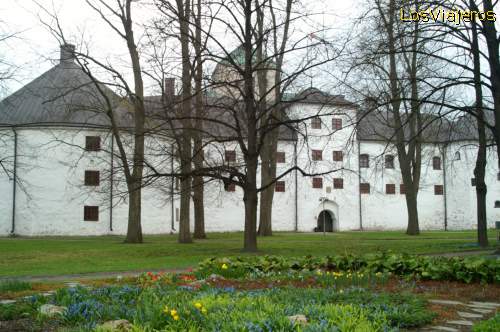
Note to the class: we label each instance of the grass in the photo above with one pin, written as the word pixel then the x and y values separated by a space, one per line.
pixel 14 286
pixel 73 255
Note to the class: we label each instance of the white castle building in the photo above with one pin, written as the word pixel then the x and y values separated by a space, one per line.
pixel 57 143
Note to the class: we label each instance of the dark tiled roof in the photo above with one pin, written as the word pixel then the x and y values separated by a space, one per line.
pixel 63 95
pixel 379 126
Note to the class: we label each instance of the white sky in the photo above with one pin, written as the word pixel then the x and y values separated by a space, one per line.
pixel 35 50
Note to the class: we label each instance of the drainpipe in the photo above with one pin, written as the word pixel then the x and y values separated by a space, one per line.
pixel 444 188
pixel 172 226
pixel 359 189
pixel 14 186
pixel 111 183
pixel 296 188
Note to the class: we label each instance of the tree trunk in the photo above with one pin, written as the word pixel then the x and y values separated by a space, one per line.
pixel 198 185
pixel 268 175
pixel 411 205
pixel 198 196
pixel 134 230
pixel 250 199
pixel 480 169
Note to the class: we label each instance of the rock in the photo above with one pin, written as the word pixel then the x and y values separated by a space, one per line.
pixel 298 319
pixel 52 310
pixel 460 322
pixel 73 284
pixel 7 301
pixel 468 315
pixel 444 328
pixel 446 302
pixel 121 325
pixel 482 311
pixel 198 282
pixel 214 276
pixel 486 304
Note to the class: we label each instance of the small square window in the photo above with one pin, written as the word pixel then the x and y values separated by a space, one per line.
pixel 280 186
pixel 92 143
pixel 390 189
pixel 336 123
pixel 438 189
pixel 364 188
pixel 317 183
pixel 92 178
pixel 230 156
pixel 91 213
pixel 230 187
pixel 317 155
pixel 402 189
pixel 280 157
pixel 338 156
pixel 316 123
pixel 338 183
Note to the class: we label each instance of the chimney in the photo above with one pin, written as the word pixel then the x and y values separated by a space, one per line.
pixel 169 87
pixel 67 53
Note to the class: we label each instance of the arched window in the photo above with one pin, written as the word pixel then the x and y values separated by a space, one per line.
pixel 436 163
pixel 457 155
pixel 364 161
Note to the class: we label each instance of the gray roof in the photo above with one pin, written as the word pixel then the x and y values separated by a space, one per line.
pixel 64 95
pixel 375 125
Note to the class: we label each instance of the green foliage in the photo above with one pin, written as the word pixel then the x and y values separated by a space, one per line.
pixel 14 286
pixel 490 325
pixel 15 311
pixel 466 270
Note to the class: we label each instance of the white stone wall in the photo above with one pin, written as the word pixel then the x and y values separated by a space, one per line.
pixel 51 165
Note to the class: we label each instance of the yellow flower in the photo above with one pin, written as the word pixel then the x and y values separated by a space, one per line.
pixel 204 310
pixel 165 310
pixel 173 312
pixel 198 305
pixel 319 272
pixel 176 317
pixel 341 291
pixel 378 274
pixel 327 273
pixel 224 266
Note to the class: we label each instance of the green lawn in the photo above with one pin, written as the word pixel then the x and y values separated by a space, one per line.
pixel 69 255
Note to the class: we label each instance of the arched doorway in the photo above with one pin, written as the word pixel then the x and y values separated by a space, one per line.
pixel 327 221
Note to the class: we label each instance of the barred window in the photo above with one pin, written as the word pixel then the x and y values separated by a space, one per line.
pixel 280 186
pixel 92 143
pixel 390 189
pixel 317 183
pixel 91 213
pixel 317 155
pixel 338 156
pixel 389 161
pixel 336 123
pixel 364 161
pixel 316 123
pixel 230 156
pixel 364 188
pixel 338 183
pixel 280 157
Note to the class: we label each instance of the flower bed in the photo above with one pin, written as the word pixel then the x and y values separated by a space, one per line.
pixel 166 307
pixel 422 267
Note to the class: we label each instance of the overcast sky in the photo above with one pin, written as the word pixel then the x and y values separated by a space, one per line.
pixel 35 50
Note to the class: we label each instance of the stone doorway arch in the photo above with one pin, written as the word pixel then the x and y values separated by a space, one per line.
pixel 327 215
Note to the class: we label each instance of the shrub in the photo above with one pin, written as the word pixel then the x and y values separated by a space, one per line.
pixel 424 267
pixel 490 325
pixel 14 286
